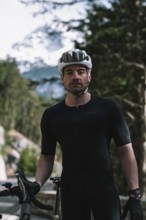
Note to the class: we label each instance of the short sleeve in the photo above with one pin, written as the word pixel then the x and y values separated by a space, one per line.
pixel 119 127
pixel 48 139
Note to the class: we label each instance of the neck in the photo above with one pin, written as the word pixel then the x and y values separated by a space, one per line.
pixel 72 100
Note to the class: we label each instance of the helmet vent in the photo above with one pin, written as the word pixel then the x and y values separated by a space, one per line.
pixel 74 57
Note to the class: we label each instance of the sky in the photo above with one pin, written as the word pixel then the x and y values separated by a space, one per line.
pixel 16 22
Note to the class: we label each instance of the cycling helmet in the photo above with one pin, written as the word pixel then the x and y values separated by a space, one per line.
pixel 74 56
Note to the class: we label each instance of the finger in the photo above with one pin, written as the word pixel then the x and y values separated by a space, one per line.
pixel 141 217
pixel 132 216
pixel 124 214
pixel 125 211
pixel 136 217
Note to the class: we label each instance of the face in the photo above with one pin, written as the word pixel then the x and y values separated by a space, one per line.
pixel 76 79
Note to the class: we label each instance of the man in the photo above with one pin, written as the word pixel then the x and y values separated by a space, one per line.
pixel 84 125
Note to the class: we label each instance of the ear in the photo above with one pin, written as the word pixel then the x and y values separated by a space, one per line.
pixel 62 77
pixel 89 75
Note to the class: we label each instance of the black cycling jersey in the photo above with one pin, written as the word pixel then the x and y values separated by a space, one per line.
pixel 84 134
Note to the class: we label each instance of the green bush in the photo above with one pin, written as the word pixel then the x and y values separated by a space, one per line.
pixel 28 161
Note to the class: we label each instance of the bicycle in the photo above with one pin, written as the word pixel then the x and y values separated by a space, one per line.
pixel 26 197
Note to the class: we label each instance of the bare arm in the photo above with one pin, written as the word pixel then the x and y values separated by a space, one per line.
pixel 44 169
pixel 129 166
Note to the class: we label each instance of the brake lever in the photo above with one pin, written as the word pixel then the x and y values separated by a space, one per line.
pixel 24 192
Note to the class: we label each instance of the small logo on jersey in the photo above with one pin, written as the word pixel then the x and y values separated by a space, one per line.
pixel 90 113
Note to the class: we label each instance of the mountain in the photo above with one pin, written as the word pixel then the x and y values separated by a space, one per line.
pixel 37 56
pixel 44 73
pixel 47 80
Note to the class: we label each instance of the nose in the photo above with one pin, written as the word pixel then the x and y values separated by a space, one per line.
pixel 76 75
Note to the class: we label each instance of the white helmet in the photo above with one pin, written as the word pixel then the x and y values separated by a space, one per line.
pixel 75 56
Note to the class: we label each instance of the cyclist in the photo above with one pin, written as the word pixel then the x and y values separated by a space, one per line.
pixel 84 125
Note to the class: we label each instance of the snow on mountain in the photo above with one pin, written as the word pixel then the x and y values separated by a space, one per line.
pixel 48 79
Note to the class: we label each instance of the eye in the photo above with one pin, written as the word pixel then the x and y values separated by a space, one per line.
pixel 69 72
pixel 81 71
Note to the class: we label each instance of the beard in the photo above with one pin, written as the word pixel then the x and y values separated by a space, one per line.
pixel 77 89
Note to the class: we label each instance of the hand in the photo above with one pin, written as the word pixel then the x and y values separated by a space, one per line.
pixel 134 207
pixel 33 186
pixel 36 187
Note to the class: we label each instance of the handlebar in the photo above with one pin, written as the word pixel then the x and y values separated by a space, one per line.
pixel 56 179
pixel 24 191
pixel 21 183
pixel 11 191
pixel 27 191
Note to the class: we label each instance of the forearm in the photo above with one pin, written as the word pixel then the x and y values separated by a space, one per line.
pixel 44 169
pixel 129 166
